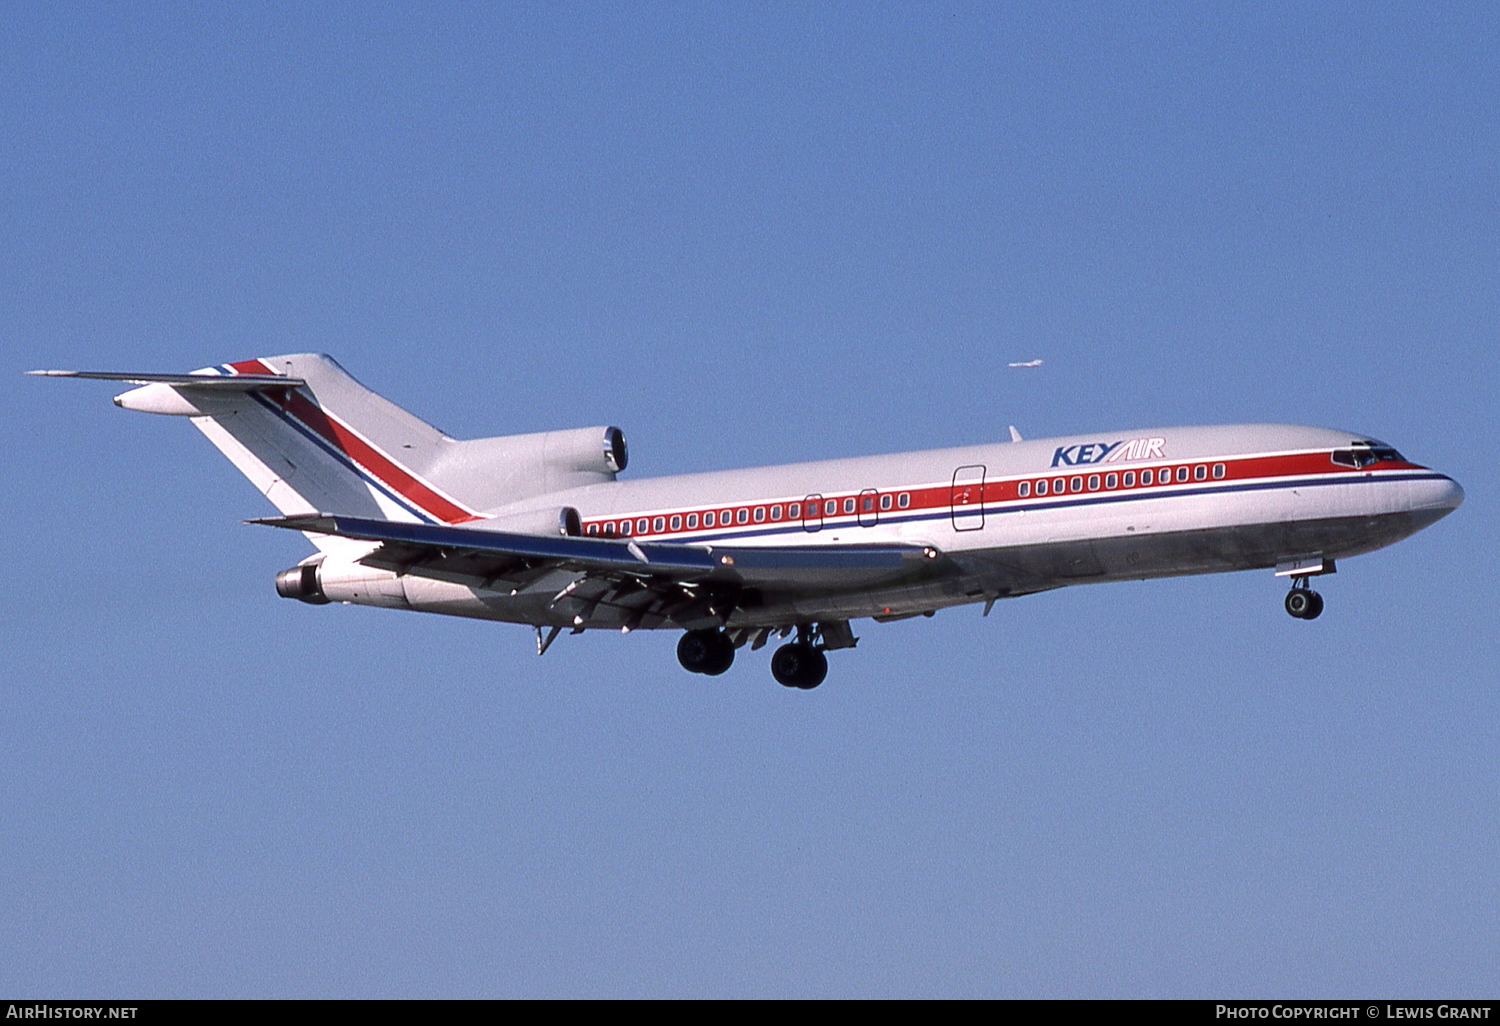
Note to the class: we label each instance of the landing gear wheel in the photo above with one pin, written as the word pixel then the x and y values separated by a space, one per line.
pixel 1316 609
pixel 1304 604
pixel 707 651
pixel 799 665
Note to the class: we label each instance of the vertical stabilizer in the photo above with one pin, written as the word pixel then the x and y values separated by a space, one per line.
pixel 314 440
pixel 331 444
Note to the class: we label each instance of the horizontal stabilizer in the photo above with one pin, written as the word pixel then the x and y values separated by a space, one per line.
pixel 236 383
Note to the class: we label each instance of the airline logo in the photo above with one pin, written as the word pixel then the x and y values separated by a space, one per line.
pixel 1109 452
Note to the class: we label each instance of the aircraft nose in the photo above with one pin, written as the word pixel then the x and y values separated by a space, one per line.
pixel 1442 495
pixel 1431 499
pixel 1453 493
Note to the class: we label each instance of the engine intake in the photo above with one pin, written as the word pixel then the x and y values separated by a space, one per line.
pixel 563 520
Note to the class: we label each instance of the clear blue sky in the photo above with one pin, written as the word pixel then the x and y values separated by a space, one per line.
pixel 747 237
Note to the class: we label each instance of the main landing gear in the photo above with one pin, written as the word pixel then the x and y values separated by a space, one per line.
pixel 1302 602
pixel 798 664
pixel 707 651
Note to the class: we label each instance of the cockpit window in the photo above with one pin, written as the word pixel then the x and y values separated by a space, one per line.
pixel 1362 454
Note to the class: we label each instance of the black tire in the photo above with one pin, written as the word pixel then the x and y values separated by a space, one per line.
pixel 723 655
pixel 1304 604
pixel 815 671
pixel 1316 608
pixel 799 665
pixel 786 663
pixel 705 651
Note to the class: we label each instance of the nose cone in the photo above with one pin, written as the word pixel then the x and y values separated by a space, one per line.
pixel 1436 498
pixel 1455 494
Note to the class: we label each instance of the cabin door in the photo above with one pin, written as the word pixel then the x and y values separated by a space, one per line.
pixel 968 498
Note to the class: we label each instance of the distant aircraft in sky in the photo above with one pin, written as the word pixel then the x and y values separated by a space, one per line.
pixel 1028 363
pixel 537 529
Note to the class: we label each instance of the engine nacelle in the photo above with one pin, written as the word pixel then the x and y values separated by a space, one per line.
pixel 563 520
pixel 319 582
pixel 490 473
pixel 579 450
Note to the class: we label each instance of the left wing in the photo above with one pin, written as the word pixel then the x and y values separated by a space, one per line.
pixel 467 551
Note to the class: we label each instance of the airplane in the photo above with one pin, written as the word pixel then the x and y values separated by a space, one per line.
pixel 539 529
pixel 1027 363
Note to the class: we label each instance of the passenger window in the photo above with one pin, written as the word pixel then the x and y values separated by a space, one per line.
pixel 1218 471
pixel 1077 485
pixel 775 512
pixel 642 526
pixel 793 510
pixel 708 519
pixel 867 503
pixel 692 521
pixel 1110 480
pixel 848 505
pixel 760 514
pixel 1041 487
pixel 725 516
pixel 1023 489
pixel 1093 482
pixel 1200 473
pixel 831 508
pixel 592 529
pixel 1129 479
pixel 659 524
pixel 677 523
pixel 1182 473
pixel 742 516
pixel 625 528
pixel 903 500
pixel 885 502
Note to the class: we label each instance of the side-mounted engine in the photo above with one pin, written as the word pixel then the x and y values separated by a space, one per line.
pixel 493 472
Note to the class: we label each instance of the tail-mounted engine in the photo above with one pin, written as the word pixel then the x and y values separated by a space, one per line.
pixel 322 580
pixel 301 583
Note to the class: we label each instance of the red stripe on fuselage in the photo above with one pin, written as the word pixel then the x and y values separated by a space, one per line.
pixel 940 497
pixel 389 473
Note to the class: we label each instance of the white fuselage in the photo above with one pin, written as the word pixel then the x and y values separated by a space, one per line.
pixel 1016 517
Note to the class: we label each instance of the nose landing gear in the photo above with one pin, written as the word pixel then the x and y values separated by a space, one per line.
pixel 1302 602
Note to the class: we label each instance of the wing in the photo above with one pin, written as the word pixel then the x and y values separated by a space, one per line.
pixel 690 584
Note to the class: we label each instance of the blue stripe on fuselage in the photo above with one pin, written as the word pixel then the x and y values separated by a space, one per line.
pixel 1016 505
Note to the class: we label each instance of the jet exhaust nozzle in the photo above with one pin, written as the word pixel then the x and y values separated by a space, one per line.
pixel 301 583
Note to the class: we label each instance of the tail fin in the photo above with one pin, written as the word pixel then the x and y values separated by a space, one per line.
pixel 314 440
pixel 329 444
